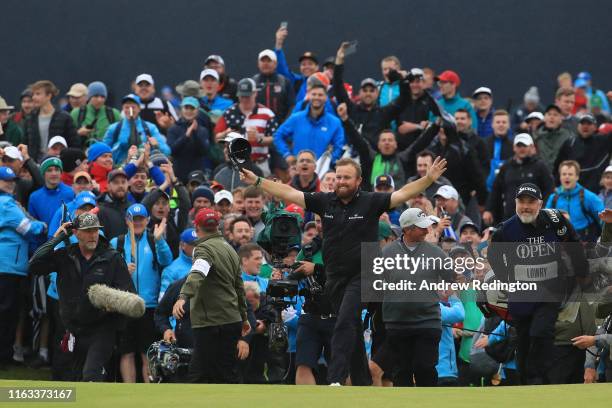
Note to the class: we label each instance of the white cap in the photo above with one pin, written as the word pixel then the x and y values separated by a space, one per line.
pixel 607 170
pixel 13 153
pixel 534 115
pixel 482 89
pixel 415 216
pixel 209 72
pixel 267 53
pixel 146 78
pixel 523 138
pixel 216 58
pixel 224 195
pixel 57 139
pixel 233 135
pixel 447 192
pixel 417 72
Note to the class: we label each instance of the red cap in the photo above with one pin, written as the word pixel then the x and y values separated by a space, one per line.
pixel 294 208
pixel 449 76
pixel 207 217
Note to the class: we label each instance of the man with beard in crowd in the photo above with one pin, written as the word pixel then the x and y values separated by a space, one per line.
pixel 342 238
pixel 114 203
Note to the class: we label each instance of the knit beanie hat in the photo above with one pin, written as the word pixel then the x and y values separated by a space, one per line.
pixel 97 88
pixel 532 95
pixel 203 191
pixel 51 161
pixel 72 158
pixel 96 150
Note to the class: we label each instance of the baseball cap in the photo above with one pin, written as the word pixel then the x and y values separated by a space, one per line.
pixel 580 83
pixel 233 135
pixel 296 209
pixel 207 217
pixel 608 170
pixel 309 55
pixel 87 221
pixel 6 173
pixel 329 61
pixel 80 174
pixel 482 90
pixel 523 138
pixel 434 219
pixel 448 192
pixel 246 87
pixel 584 75
pixel 587 118
pixel 224 195
pixel 216 186
pixel 77 90
pixel 116 173
pixel 189 236
pixel 196 176
pixel 85 198
pixel 190 101
pixel 137 210
pixel 534 115
pixel 529 189
pixel 267 54
pixel 13 153
pixel 57 139
pixel 209 72
pixel 414 216
pixel 449 76
pixel 552 107
pixel 417 72
pixel 131 98
pixel 215 58
pixel 384 180
pixel 368 82
pixel 468 224
pixel 384 230
pixel 145 78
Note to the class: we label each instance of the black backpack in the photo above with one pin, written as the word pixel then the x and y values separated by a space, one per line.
pixel 150 241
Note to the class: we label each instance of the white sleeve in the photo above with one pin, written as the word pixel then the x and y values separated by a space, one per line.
pixel 202 266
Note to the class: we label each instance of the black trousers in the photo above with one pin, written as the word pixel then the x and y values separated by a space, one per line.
pixel 535 347
pixel 567 366
pixel 215 354
pixel 348 354
pixel 9 314
pixel 416 351
pixel 61 363
pixel 92 352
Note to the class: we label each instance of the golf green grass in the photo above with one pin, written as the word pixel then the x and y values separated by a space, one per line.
pixel 109 395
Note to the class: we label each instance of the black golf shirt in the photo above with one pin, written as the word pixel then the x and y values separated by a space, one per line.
pixel 345 227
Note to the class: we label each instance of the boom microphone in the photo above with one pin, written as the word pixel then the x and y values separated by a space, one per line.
pixel 114 300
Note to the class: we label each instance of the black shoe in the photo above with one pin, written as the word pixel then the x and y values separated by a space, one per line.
pixel 38 362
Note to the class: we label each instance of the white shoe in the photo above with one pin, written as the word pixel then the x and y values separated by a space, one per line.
pixel 335 385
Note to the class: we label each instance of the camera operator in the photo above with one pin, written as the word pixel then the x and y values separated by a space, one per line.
pixel 217 303
pixel 316 324
pixel 541 233
pixel 89 261
pixel 350 217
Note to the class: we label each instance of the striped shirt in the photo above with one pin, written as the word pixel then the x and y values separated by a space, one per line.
pixel 262 118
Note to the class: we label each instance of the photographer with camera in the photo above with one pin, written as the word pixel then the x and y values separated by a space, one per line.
pixel 217 303
pixel 91 331
pixel 316 324
pixel 350 217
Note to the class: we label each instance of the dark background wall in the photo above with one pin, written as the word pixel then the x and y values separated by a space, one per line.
pixel 507 45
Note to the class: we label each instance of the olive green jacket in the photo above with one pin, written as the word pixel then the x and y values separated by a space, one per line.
pixel 216 294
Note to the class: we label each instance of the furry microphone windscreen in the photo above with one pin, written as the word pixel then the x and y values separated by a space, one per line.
pixel 115 300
